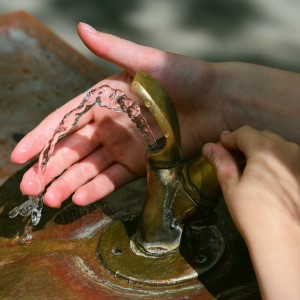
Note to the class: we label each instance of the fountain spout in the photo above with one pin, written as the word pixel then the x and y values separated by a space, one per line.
pixel 175 189
pixel 173 225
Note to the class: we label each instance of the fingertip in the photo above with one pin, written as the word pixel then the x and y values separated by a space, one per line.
pixel 223 163
pixel 53 200
pixel 224 136
pixel 98 42
pixel 206 150
pixel 15 158
pixel 86 195
pixel 211 150
pixel 80 198
pixel 225 133
pixel 84 27
pixel 19 155
pixel 30 186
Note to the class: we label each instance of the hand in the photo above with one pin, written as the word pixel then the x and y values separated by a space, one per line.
pixel 106 150
pixel 264 202
pixel 208 98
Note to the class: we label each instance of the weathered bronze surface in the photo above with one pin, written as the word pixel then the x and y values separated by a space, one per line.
pixel 141 255
pixel 176 189
pixel 161 106
pixel 117 251
pixel 38 73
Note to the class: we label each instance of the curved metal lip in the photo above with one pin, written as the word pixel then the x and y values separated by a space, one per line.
pixel 167 152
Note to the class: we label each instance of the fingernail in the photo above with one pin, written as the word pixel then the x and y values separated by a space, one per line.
pixel 206 150
pixel 88 27
pixel 225 132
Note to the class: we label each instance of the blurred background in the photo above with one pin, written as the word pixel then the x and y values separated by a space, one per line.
pixel 264 32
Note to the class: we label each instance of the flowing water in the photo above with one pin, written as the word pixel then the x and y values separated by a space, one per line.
pixel 103 96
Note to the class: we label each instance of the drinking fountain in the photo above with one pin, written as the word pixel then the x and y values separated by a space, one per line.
pixel 165 237
pixel 174 239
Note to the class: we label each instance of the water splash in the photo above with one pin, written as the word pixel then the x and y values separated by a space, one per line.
pixel 103 96
pixel 33 206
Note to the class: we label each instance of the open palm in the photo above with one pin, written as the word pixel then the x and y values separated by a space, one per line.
pixel 106 150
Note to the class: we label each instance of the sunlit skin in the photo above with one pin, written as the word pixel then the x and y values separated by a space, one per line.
pixel 264 202
pixel 106 151
pixel 209 98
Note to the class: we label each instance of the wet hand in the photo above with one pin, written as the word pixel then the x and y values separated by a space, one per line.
pixel 105 150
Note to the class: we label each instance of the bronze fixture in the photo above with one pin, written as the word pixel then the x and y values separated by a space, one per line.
pixel 177 192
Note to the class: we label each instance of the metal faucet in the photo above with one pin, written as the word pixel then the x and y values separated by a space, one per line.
pixel 179 193
pixel 175 189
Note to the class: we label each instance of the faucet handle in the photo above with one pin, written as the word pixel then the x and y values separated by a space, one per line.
pixel 166 152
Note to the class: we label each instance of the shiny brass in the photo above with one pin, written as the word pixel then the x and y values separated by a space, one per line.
pixel 157 235
pixel 167 152
pixel 175 190
pixel 119 255
pixel 200 182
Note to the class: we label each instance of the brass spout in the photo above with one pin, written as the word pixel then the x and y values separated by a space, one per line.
pixel 156 235
pixel 167 152
pixel 180 196
pixel 175 190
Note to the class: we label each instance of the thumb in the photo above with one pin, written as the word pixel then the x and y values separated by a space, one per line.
pixel 123 53
pixel 226 167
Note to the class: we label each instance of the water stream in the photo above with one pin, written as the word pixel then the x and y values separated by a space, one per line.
pixel 103 96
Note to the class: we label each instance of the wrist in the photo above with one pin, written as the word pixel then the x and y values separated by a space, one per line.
pixel 255 95
pixel 274 251
pixel 235 84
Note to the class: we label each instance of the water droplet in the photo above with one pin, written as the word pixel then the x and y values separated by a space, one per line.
pixel 33 206
pixel 27 236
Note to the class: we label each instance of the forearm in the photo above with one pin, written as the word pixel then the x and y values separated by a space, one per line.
pixel 276 260
pixel 262 97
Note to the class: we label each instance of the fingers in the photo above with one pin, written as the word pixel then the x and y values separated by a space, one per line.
pixel 125 54
pixel 77 175
pixel 177 73
pixel 34 141
pixel 273 136
pixel 246 139
pixel 250 141
pixel 225 165
pixel 67 152
pixel 103 184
